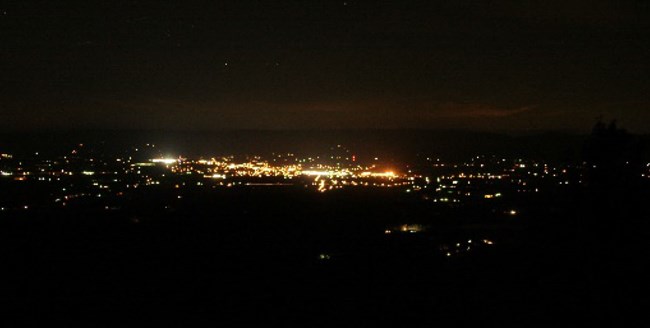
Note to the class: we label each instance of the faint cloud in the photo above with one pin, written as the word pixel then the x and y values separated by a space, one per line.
pixel 470 110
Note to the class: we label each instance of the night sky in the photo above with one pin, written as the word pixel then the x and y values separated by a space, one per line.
pixel 509 65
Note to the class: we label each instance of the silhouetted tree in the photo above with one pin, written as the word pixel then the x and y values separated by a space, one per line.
pixel 614 157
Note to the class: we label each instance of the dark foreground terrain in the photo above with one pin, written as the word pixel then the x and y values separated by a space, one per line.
pixel 269 257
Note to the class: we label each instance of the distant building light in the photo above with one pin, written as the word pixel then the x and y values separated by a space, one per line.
pixel 164 160
pixel 387 174
pixel 324 257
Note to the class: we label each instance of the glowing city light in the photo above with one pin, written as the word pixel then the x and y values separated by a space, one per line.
pixel 164 160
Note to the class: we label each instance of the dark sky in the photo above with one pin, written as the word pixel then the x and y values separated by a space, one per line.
pixel 506 65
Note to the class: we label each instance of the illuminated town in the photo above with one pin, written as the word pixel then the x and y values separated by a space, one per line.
pixel 481 179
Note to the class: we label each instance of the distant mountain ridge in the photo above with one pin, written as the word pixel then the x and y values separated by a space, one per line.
pixel 397 144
